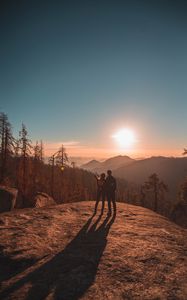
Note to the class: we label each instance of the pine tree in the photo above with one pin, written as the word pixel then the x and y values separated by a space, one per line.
pixel 183 191
pixel 142 195
pixel 25 148
pixel 17 160
pixel 156 186
pixel 41 151
pixel 6 145
pixel 38 161
pixel 62 158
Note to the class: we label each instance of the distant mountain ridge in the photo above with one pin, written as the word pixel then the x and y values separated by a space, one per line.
pixel 111 163
pixel 91 165
pixel 168 168
pixel 172 170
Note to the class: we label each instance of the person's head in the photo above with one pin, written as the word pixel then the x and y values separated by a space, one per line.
pixel 109 172
pixel 103 175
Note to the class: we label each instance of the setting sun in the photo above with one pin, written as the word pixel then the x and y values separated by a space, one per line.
pixel 125 137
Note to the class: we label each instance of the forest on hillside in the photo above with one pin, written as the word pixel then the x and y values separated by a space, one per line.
pixel 23 165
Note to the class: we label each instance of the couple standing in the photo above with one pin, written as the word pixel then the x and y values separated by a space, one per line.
pixel 106 187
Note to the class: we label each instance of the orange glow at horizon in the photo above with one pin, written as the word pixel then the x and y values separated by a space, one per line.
pixel 84 151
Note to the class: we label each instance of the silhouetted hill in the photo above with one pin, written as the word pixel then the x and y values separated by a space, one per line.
pixel 64 252
pixel 111 163
pixel 171 170
pixel 91 165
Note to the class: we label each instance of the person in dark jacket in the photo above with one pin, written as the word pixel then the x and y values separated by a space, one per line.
pixel 101 193
pixel 110 187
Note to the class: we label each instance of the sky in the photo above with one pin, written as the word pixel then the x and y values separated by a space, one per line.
pixel 76 72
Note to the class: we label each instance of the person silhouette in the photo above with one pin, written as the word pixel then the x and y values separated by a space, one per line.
pixel 110 187
pixel 101 193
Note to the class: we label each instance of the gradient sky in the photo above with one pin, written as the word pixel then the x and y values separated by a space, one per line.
pixel 77 71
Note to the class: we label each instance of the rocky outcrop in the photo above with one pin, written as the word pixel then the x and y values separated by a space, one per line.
pixel 8 198
pixel 42 199
pixel 65 252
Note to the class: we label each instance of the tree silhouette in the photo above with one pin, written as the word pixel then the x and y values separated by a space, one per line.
pixel 142 194
pixel 185 151
pixel 25 148
pixel 41 151
pixel 59 159
pixel 179 208
pixel 6 145
pixel 156 186
pixel 62 158
pixel 183 191
pixel 37 164
pixel 24 167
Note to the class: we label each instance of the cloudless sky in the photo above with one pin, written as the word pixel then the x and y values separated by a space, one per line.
pixel 77 71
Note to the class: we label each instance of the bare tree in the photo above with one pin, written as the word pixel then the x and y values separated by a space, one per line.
pixel 29 172
pixel 60 159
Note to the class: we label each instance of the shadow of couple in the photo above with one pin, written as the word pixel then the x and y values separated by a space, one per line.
pixel 69 274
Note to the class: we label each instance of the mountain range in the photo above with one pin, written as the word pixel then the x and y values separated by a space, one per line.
pixel 172 170
pixel 112 163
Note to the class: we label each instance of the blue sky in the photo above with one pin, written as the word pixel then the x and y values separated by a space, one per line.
pixel 77 71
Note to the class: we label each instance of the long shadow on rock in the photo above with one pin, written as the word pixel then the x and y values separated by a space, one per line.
pixel 11 266
pixel 71 272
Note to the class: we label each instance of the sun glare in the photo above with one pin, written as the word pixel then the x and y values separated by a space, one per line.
pixel 125 138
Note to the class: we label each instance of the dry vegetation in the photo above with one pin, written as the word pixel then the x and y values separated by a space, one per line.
pixel 62 253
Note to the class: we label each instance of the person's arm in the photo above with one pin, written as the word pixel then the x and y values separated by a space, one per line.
pixel 96 176
pixel 97 179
